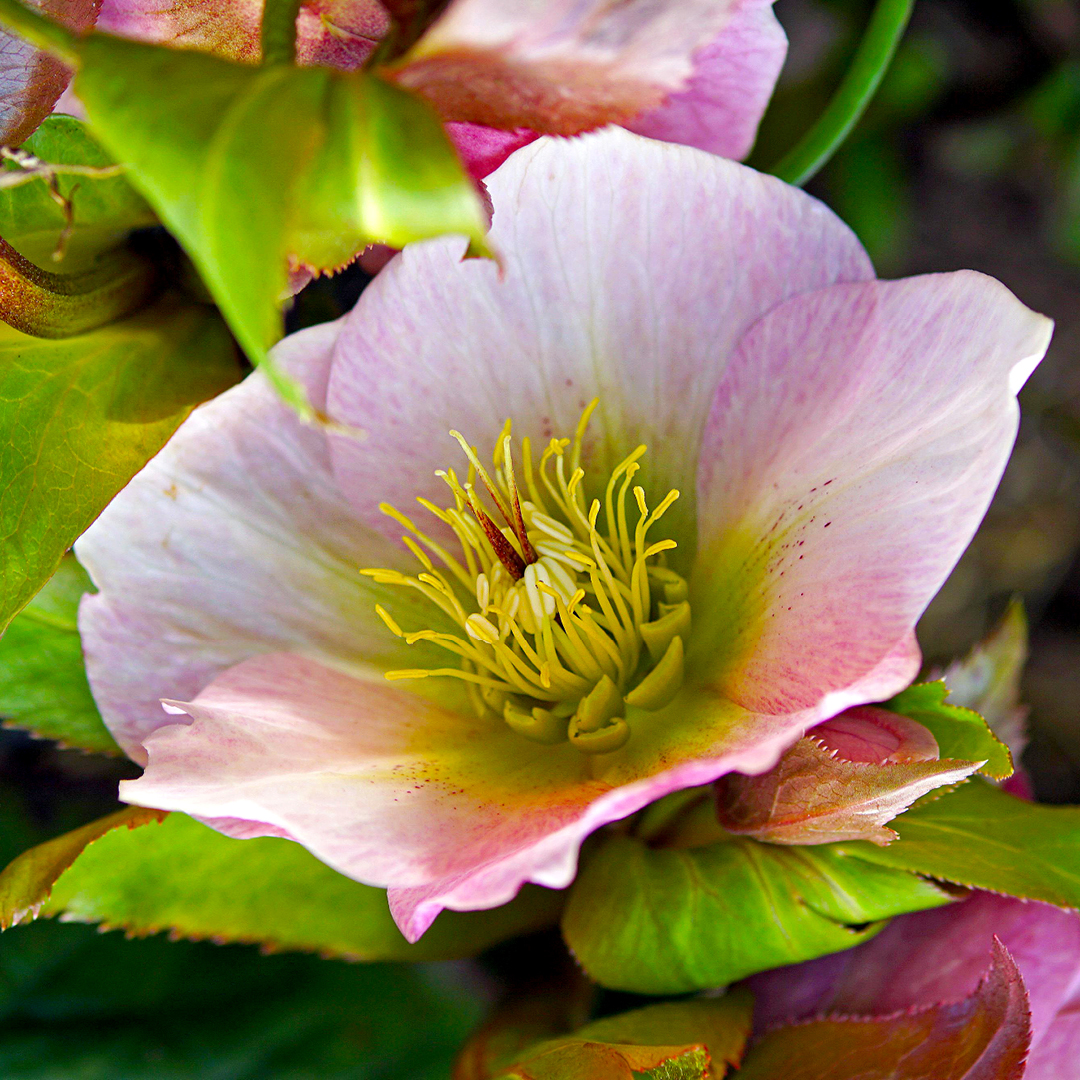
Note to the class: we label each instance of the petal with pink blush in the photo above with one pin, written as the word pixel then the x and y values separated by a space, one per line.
pixel 558 66
pixel 732 82
pixel 233 541
pixel 630 270
pixel 854 444
pixel 395 789
pixel 876 736
pixel 339 33
pixel 484 149
pixel 940 955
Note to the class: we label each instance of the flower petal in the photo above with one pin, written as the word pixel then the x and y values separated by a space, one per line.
pixel 853 447
pixel 733 79
pixel 232 541
pixel 397 790
pixel 31 81
pixel 940 955
pixel 630 270
pixel 558 66
pixel 340 33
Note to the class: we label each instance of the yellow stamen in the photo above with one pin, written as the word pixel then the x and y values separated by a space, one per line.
pixel 550 614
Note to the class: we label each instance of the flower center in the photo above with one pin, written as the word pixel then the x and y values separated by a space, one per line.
pixel 566 614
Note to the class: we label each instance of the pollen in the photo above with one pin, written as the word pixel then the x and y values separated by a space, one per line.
pixel 564 618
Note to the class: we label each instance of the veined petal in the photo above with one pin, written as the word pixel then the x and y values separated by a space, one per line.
pixel 733 79
pixel 397 790
pixel 630 270
pixel 853 447
pixel 340 33
pixel 233 541
pixel 940 955
pixel 31 81
pixel 559 66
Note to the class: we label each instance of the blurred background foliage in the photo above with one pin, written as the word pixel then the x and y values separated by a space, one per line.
pixel 968 157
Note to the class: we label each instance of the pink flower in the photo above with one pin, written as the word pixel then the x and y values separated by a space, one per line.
pixel 834 441
pixel 940 955
pixel 698 72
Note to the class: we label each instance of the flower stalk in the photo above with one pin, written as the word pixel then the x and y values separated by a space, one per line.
pixel 872 59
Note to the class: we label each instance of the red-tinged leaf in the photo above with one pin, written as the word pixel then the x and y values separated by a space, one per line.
pixel 984 1037
pixel 28 881
pixel 844 781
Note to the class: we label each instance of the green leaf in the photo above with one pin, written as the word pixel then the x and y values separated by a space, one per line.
pixel 78 1005
pixel 960 733
pixel 248 166
pixel 80 416
pixel 186 878
pixel 980 836
pixel 685 1040
pixel 43 685
pixel 669 920
pixel 25 883
pixel 984 1037
pixel 104 207
pixel 988 678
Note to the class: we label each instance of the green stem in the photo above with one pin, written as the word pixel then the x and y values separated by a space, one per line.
pixel 279 31
pixel 872 58
pixel 45 34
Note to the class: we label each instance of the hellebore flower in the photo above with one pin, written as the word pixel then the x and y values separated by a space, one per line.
pixel 843 780
pixel 586 641
pixel 940 955
pixel 698 72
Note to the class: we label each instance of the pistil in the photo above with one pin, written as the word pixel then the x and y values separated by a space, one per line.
pixel 559 626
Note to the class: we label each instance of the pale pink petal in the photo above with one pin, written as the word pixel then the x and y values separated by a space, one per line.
pixel 484 149
pixel 229 28
pixel 876 736
pixel 30 80
pixel 339 33
pixel 558 66
pixel 630 270
pixel 397 790
pixel 940 955
pixel 232 541
pixel 853 447
pixel 731 85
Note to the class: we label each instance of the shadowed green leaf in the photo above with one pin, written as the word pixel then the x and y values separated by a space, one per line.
pixel 80 416
pixel 184 877
pixel 78 1005
pixel 669 920
pixel 980 836
pixel 43 685
pixel 26 882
